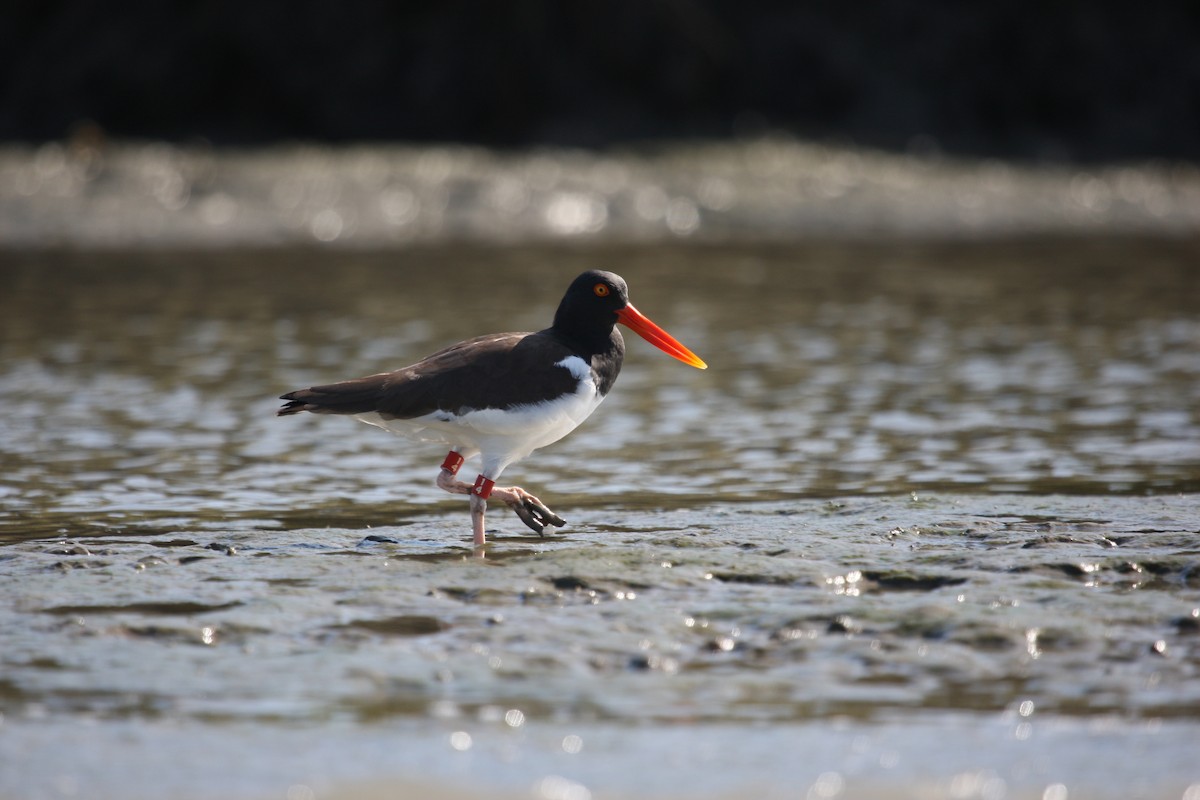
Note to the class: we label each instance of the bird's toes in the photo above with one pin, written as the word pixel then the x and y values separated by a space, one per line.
pixel 527 516
pixel 544 514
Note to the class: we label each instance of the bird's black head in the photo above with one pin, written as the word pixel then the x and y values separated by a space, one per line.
pixel 595 302
pixel 588 310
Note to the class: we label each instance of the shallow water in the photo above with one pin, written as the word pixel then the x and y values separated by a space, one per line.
pixel 926 527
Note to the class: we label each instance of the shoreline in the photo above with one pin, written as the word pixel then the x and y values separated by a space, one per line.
pixel 130 195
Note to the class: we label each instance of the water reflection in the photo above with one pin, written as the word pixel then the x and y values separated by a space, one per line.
pixel 139 383
pixel 854 520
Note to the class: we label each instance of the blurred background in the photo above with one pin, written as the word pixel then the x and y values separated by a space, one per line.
pixel 1081 82
pixel 121 126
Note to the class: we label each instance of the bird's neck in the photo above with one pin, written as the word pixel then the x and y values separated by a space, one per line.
pixel 585 333
pixel 603 352
pixel 589 341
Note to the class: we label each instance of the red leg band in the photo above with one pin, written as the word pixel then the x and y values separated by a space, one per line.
pixel 483 488
pixel 452 463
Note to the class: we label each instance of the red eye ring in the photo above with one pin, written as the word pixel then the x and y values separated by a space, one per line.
pixel 601 289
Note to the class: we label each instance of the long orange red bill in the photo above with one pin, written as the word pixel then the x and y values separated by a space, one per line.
pixel 640 324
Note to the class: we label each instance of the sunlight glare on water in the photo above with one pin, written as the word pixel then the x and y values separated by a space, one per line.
pixel 928 521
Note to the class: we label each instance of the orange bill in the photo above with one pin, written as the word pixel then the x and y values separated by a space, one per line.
pixel 640 324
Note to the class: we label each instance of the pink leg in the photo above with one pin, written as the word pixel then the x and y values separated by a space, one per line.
pixel 532 511
pixel 446 480
pixel 478 509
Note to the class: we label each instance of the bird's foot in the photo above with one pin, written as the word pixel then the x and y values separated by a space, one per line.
pixel 532 511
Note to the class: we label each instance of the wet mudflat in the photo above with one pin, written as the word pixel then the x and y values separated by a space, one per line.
pixel 928 526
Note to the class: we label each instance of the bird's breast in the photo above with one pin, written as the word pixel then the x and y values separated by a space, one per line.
pixel 543 421
pixel 519 428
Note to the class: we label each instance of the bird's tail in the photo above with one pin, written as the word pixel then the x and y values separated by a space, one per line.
pixel 348 397
pixel 294 405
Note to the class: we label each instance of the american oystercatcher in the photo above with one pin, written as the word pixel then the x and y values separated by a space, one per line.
pixel 505 395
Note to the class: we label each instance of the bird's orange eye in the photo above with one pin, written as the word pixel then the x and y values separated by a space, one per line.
pixel 601 289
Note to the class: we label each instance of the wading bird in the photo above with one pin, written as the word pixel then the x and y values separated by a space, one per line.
pixel 505 395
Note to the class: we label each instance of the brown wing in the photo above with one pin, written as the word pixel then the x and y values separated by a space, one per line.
pixel 496 371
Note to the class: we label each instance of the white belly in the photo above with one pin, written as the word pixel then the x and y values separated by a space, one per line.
pixel 503 435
